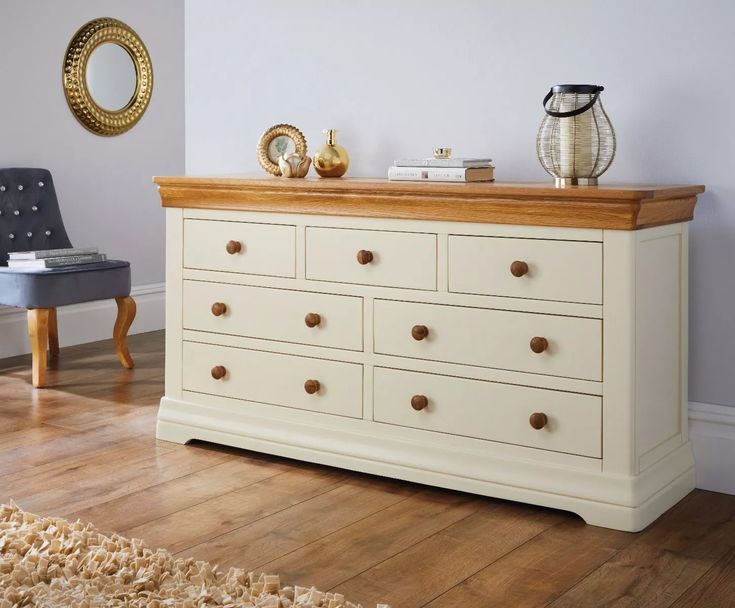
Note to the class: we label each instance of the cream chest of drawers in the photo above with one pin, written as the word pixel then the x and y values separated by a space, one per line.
pixel 516 341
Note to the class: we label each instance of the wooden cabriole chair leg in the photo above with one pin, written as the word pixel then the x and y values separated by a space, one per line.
pixel 125 314
pixel 53 334
pixel 38 331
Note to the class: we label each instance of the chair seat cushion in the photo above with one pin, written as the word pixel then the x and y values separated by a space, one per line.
pixel 49 288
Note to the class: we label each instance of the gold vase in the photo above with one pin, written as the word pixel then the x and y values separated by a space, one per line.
pixel 331 160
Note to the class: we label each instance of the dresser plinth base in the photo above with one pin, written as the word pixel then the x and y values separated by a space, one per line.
pixel 628 503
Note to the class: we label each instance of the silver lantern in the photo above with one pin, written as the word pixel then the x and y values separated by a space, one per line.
pixel 576 140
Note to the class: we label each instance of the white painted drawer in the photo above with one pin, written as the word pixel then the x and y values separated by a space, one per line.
pixel 266 249
pixel 567 271
pixel 274 378
pixel 274 314
pixel 488 410
pixel 491 338
pixel 400 259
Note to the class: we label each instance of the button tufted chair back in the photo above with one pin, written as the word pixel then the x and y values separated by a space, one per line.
pixel 30 218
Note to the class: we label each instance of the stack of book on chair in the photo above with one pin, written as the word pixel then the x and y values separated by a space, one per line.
pixel 54 258
pixel 443 170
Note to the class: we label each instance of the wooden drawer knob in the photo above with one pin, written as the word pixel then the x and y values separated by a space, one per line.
pixel 312 319
pixel 538 420
pixel 233 247
pixel 419 332
pixel 539 345
pixel 419 402
pixel 219 372
pixel 518 268
pixel 312 386
pixel 219 308
pixel 364 256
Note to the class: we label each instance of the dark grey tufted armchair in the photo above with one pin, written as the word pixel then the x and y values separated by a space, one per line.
pixel 30 219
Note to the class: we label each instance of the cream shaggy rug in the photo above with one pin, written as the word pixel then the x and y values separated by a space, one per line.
pixel 48 562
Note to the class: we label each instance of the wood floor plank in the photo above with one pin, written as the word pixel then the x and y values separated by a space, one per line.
pixel 663 561
pixel 226 513
pixel 98 408
pixel 12 422
pixel 36 446
pixel 267 539
pixel 99 479
pixel 337 557
pixel 540 570
pixel 31 438
pixel 65 469
pixel 450 556
pixel 82 376
pixel 169 497
pixel 127 425
pixel 716 589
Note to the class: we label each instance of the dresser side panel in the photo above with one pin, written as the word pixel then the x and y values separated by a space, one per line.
pixel 174 300
pixel 684 325
pixel 660 293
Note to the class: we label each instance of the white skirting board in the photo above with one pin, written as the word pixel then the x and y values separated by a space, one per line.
pixel 87 322
pixel 712 433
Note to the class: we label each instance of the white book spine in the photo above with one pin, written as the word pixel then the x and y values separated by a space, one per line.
pixel 428 174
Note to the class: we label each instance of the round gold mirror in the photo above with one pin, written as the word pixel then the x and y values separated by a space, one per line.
pixel 108 77
pixel 111 77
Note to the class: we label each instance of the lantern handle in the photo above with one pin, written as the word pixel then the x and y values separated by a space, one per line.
pixel 571 113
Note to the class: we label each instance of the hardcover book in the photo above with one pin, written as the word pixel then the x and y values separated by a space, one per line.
pixel 68 260
pixel 51 253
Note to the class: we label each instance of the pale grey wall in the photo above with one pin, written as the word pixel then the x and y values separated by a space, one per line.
pixel 400 77
pixel 104 184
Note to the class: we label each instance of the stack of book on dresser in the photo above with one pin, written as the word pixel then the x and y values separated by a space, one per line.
pixel 442 170
pixel 54 258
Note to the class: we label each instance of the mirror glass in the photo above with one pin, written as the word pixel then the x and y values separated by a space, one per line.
pixel 111 76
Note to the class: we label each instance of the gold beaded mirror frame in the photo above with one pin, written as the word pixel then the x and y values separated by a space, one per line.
pixel 88 110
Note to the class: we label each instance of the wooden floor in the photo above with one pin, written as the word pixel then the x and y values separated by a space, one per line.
pixel 86 448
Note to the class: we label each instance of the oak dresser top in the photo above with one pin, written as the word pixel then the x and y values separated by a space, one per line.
pixel 617 207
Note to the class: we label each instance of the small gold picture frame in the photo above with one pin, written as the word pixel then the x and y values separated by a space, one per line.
pixel 276 141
